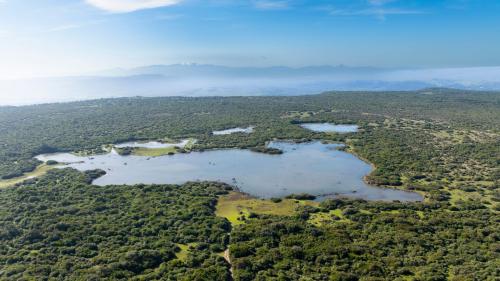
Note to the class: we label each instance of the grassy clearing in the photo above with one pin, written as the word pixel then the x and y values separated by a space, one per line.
pixel 333 216
pixel 458 195
pixel 153 152
pixel 236 207
pixel 185 250
pixel 39 171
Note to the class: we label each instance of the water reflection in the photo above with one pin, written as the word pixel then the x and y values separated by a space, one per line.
pixel 330 128
pixel 314 168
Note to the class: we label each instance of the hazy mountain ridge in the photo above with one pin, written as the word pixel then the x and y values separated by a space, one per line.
pixel 209 80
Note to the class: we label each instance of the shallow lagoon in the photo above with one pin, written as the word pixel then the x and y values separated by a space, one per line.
pixel 314 168
pixel 330 128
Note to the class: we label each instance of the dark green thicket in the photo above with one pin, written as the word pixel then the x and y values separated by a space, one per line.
pixel 374 245
pixel 61 228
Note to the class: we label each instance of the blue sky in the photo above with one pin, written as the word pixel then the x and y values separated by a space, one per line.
pixel 65 37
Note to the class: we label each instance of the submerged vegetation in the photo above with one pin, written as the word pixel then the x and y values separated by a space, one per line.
pixel 441 143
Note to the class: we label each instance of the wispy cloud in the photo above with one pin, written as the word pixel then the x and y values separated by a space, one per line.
pixel 271 5
pixel 125 6
pixel 70 26
pixel 377 12
pixel 379 9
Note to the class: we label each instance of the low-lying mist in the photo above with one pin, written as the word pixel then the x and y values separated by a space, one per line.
pixel 210 80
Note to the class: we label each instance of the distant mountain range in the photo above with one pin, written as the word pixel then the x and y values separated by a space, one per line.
pixel 209 80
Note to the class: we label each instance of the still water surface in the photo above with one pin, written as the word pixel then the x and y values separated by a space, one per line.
pixel 314 168
pixel 330 128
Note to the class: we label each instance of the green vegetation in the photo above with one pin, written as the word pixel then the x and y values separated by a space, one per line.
pixel 151 152
pixel 267 150
pixel 39 171
pixel 327 218
pixel 444 145
pixel 374 245
pixel 185 251
pixel 59 227
pixel 301 196
pixel 238 207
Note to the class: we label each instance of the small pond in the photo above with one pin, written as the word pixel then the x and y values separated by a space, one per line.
pixel 315 168
pixel 233 130
pixel 330 128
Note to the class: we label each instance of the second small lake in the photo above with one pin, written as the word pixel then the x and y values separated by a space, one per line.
pixel 330 128
pixel 314 168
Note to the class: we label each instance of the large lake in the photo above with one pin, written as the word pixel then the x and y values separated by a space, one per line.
pixel 315 168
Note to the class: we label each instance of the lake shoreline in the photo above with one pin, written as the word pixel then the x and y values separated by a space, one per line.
pixel 326 175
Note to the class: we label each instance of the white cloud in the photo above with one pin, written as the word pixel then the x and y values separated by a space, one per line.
pixel 378 9
pixel 70 26
pixel 372 8
pixel 125 6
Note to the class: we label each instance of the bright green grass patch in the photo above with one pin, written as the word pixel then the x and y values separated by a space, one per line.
pixel 460 195
pixel 39 171
pixel 185 250
pixel 332 216
pixel 236 207
pixel 421 214
pixel 153 152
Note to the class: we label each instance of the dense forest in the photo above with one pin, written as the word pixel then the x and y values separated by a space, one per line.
pixel 369 241
pixel 61 228
pixel 442 143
